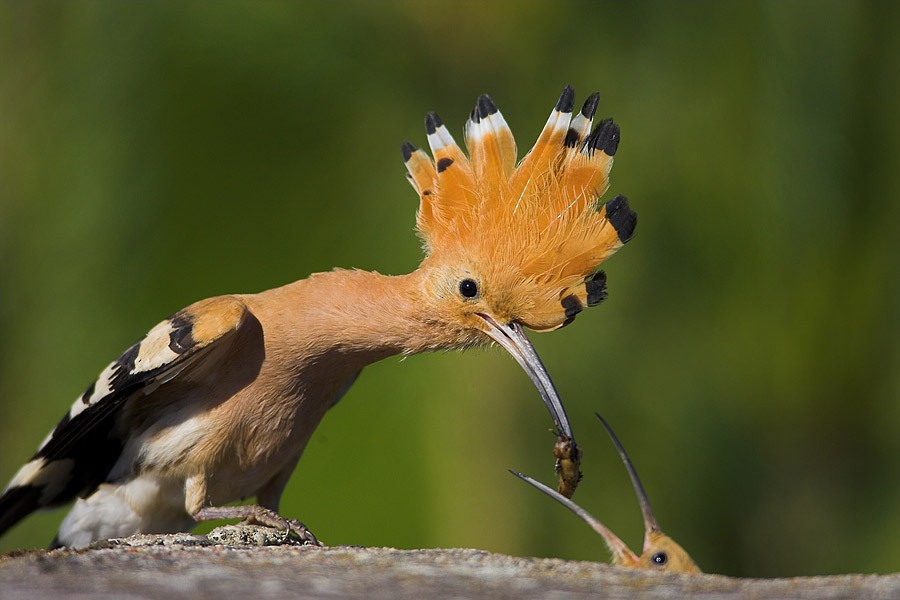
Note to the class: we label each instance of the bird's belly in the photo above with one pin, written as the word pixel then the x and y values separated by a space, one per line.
pixel 266 444
pixel 237 447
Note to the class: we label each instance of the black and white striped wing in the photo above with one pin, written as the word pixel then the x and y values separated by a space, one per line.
pixel 80 451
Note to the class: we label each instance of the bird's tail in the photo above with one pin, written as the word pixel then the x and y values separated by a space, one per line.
pixel 15 505
pixel 20 499
pixel 47 481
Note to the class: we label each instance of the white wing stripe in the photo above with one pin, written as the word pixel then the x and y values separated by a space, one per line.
pixel 154 351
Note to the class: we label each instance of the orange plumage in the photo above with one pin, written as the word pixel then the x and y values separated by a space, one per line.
pixel 536 230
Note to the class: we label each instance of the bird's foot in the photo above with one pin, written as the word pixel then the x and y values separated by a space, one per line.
pixel 253 514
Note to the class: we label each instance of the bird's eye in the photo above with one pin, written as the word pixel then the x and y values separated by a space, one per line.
pixel 660 558
pixel 468 288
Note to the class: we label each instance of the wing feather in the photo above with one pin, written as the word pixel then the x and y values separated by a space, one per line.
pixel 79 453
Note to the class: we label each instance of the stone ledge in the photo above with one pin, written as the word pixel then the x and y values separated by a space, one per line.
pixel 189 566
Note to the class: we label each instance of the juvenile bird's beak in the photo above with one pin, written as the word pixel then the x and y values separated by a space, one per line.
pixel 650 524
pixel 513 338
pixel 622 554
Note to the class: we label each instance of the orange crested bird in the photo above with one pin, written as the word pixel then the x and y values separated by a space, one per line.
pixel 660 552
pixel 216 403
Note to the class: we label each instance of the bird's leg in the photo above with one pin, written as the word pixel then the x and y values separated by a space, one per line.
pixel 254 514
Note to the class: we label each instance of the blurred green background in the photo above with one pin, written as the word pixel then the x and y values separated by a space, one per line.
pixel 154 154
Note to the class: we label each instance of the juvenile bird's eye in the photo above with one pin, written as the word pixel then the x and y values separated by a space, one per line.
pixel 660 558
pixel 468 288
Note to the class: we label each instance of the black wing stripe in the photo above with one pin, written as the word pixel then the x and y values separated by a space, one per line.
pixel 83 447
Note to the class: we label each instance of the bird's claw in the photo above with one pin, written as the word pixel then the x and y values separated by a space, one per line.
pixel 254 514
pixel 270 518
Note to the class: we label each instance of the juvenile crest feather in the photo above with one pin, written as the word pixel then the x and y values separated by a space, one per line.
pixel 537 231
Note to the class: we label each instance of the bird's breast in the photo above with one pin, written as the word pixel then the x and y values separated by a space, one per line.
pixel 264 430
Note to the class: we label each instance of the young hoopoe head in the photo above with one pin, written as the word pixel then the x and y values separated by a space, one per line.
pixel 511 246
pixel 660 552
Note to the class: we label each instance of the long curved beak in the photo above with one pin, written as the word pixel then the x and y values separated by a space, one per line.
pixel 650 524
pixel 622 554
pixel 512 337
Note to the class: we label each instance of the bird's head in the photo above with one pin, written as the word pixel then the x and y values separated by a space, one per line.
pixel 662 553
pixel 511 246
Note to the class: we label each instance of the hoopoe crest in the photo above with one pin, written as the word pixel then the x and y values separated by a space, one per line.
pixel 660 552
pixel 528 236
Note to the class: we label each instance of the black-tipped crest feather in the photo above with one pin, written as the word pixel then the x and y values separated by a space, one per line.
pixel 407 149
pixel 566 100
pixel 605 137
pixel 590 106
pixel 596 288
pixel 432 122
pixel 621 217
pixel 484 107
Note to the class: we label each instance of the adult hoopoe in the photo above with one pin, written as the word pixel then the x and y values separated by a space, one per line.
pixel 216 403
pixel 660 551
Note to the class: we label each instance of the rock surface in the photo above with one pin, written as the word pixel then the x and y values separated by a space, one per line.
pixel 190 566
